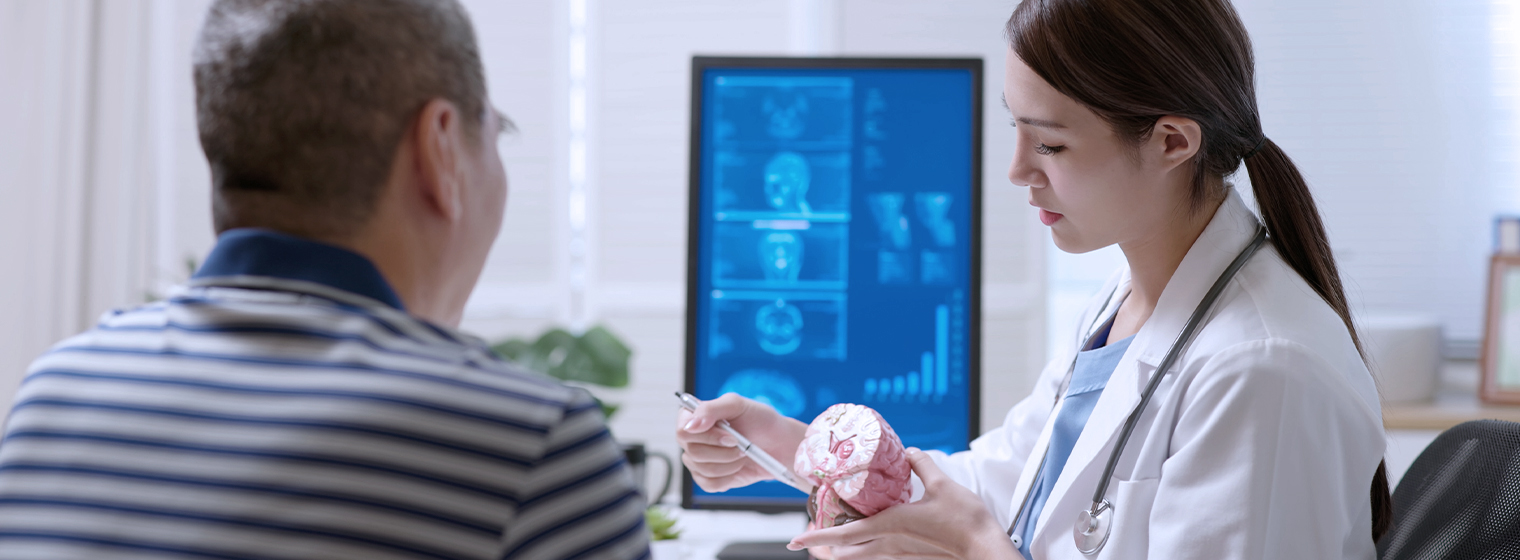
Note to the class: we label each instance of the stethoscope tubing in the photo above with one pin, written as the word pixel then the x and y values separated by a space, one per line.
pixel 1193 324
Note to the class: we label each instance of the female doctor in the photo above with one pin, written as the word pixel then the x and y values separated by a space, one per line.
pixel 1262 435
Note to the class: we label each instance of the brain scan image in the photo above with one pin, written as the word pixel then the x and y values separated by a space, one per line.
pixel 786 182
pixel 787 111
pixel 770 255
pixel 775 325
pixel 781 256
pixel 770 387
pixel 779 328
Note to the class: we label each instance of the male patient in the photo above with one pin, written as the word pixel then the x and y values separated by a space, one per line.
pixel 306 395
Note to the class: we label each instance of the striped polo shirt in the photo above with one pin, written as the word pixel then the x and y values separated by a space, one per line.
pixel 284 405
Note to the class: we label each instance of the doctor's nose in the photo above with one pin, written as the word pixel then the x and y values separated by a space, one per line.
pixel 1023 175
pixel 1022 172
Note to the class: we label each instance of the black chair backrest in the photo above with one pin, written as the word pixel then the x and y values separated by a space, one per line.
pixel 1460 499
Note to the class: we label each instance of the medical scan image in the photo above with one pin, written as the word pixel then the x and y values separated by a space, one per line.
pixel 782 184
pixel 778 328
pixel 887 208
pixel 895 262
pixel 787 109
pixel 832 249
pixel 936 268
pixel 777 325
pixel 781 256
pixel 771 387
pixel 786 183
pixel 795 111
pixel 762 254
pixel 933 214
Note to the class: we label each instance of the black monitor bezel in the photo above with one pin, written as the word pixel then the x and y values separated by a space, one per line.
pixel 699 65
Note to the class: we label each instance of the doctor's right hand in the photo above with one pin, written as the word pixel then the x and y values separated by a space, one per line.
pixel 710 453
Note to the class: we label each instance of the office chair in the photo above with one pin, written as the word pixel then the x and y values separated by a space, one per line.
pixel 1460 499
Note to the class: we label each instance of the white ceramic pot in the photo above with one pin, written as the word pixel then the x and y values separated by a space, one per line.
pixel 1404 353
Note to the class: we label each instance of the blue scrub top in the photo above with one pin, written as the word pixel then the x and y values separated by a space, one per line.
pixel 1088 378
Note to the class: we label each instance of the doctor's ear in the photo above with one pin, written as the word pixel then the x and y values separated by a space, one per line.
pixel 1174 140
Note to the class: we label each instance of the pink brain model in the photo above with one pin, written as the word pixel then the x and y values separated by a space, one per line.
pixel 856 463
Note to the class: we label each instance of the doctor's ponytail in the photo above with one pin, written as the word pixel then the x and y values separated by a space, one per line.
pixel 1293 221
pixel 1134 61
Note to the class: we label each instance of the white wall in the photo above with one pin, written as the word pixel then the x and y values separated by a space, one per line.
pixel 1402 115
pixel 103 183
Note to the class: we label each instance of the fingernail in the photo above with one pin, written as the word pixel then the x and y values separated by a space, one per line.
pixel 690 425
pixel 794 545
pixel 728 441
pixel 913 451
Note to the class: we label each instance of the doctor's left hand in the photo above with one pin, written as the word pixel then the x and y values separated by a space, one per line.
pixel 948 522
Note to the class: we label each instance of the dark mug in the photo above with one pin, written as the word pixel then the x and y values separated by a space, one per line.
pixel 638 457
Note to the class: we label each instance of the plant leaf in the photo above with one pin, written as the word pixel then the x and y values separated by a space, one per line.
pixel 608 356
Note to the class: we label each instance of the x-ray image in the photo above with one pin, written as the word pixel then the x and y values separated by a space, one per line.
pixel 781 256
pixel 771 387
pixel 782 184
pixel 933 208
pixel 787 254
pixel 802 112
pixel 777 325
pixel 887 208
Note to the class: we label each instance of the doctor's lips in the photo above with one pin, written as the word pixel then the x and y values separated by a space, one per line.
pixel 1047 217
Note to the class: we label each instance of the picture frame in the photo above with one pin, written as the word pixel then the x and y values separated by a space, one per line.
pixel 1500 360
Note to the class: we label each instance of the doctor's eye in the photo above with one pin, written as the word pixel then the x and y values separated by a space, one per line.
pixel 1044 150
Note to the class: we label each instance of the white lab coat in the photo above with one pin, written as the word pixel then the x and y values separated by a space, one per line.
pixel 1260 442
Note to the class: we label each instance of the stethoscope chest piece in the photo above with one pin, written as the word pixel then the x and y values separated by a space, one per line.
pixel 1093 525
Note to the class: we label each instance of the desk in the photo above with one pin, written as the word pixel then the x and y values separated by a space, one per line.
pixel 1456 401
pixel 1412 426
pixel 704 532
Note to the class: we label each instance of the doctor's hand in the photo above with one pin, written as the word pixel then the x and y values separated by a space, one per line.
pixel 948 522
pixel 710 453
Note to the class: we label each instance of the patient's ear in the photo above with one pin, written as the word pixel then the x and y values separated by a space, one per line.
pixel 437 138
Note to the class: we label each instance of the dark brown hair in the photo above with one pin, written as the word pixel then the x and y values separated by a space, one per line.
pixel 1134 61
pixel 302 103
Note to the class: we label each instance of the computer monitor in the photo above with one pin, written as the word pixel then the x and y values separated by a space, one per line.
pixel 835 242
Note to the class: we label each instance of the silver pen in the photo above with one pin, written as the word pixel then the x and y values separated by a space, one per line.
pixel 759 456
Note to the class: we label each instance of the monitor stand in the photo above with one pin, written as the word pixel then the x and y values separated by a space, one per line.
pixel 760 551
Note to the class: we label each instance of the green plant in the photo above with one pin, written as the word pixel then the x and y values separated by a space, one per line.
pixel 662 526
pixel 596 357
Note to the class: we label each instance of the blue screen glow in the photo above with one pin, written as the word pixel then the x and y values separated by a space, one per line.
pixel 834 248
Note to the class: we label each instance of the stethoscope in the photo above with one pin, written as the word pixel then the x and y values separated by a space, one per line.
pixel 1094 523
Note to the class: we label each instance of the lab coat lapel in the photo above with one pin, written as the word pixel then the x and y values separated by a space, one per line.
pixel 1092 317
pixel 1228 232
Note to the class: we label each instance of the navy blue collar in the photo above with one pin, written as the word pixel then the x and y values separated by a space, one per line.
pixel 262 252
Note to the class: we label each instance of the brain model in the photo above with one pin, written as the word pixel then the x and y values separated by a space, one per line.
pixel 856 463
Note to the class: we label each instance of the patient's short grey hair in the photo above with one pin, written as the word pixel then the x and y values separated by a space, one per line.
pixel 301 104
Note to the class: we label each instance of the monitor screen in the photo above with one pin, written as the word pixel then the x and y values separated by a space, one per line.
pixel 835 245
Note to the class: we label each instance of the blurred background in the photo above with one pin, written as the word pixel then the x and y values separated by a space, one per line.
pixel 1401 113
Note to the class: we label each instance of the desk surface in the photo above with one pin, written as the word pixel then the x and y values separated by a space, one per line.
pixel 1456 401
pixel 705 532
